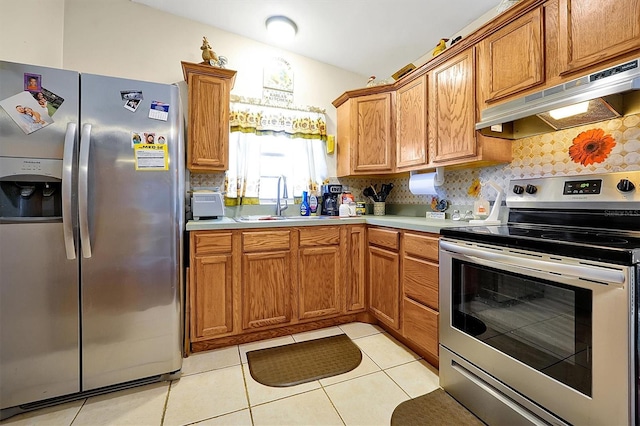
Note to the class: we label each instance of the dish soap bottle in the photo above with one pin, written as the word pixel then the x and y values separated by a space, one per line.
pixel 313 204
pixel 304 206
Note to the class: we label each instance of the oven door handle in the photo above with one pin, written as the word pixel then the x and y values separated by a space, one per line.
pixel 592 273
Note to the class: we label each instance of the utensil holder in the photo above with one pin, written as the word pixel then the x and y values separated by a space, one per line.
pixel 379 208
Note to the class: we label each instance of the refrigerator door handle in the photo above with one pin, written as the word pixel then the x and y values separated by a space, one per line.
pixel 83 183
pixel 67 174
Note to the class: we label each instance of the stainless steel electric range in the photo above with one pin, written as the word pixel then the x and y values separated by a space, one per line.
pixel 539 318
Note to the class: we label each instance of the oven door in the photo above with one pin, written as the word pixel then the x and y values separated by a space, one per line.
pixel 554 332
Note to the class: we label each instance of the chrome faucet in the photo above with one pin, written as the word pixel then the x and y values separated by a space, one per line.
pixel 279 207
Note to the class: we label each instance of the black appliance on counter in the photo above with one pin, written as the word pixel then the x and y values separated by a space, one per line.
pixel 331 199
pixel 539 316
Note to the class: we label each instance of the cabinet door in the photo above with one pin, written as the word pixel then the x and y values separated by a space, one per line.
pixel 420 324
pixel 356 268
pixel 411 124
pixel 511 59
pixel 320 281
pixel 372 133
pixel 593 31
pixel 384 286
pixel 211 297
pixel 208 147
pixel 452 108
pixel 266 289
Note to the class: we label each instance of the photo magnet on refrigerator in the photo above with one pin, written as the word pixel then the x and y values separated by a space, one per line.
pixel 159 111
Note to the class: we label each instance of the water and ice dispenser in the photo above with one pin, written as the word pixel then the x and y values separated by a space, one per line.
pixel 30 188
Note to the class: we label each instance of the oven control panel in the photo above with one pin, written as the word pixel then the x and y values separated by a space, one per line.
pixel 619 190
pixel 591 186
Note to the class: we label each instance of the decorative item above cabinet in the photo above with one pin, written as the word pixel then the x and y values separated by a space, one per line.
pixel 208 117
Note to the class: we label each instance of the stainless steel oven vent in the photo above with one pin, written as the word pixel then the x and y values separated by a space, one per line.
pixel 604 95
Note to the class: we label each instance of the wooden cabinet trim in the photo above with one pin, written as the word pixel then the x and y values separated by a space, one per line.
pixel 423 246
pixel 384 238
pixel 319 236
pixel 258 241
pixel 216 242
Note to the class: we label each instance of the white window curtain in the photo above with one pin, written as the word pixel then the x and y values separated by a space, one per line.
pixel 299 136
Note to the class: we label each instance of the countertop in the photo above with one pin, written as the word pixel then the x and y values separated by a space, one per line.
pixel 400 222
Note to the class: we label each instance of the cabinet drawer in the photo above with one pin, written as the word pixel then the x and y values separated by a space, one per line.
pixel 319 236
pixel 420 325
pixel 254 241
pixel 384 238
pixel 207 242
pixel 420 281
pixel 421 246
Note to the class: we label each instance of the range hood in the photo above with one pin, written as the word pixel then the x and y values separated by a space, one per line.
pixel 602 95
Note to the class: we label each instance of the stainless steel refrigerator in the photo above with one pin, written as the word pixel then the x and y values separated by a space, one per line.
pixel 91 228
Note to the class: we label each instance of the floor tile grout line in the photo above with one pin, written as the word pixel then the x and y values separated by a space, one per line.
pixel 246 388
pixel 78 412
pixel 166 403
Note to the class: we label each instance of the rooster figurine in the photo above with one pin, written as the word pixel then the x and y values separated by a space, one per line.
pixel 371 81
pixel 208 55
pixel 442 45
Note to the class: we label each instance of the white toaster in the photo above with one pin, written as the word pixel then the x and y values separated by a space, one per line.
pixel 207 204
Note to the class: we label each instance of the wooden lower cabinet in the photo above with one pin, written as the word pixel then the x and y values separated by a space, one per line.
pixel 258 283
pixel 420 281
pixel 211 285
pixel 319 272
pixel 267 274
pixel 384 285
pixel 420 325
pixel 355 254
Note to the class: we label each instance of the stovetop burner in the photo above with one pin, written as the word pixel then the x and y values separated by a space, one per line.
pixel 585 238
pixel 594 217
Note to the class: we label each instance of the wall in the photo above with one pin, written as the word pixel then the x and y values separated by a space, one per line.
pixel 32 31
pixel 125 39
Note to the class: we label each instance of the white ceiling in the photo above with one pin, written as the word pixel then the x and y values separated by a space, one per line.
pixel 368 37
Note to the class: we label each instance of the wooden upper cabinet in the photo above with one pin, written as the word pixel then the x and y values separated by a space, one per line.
pixel 208 118
pixel 452 108
pixel 372 136
pixel 411 124
pixel 512 59
pixel 593 31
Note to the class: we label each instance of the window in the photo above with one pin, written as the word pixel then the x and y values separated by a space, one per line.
pixel 266 143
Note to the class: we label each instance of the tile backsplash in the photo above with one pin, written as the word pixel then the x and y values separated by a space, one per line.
pixel 536 156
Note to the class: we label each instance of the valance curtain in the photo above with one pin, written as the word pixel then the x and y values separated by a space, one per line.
pixel 301 134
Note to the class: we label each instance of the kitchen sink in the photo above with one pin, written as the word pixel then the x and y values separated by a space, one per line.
pixel 266 218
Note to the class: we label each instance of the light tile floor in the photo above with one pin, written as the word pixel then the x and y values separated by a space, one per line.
pixel 217 389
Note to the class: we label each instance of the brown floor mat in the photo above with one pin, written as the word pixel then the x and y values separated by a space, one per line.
pixel 434 408
pixel 304 362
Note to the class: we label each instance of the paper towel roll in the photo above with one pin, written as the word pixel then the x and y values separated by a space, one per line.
pixel 423 184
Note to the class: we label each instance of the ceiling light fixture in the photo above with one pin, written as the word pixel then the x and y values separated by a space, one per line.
pixel 281 28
